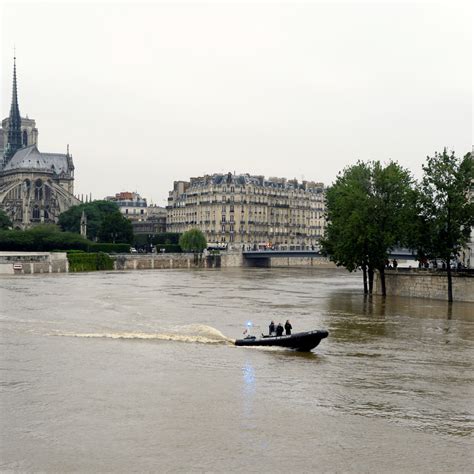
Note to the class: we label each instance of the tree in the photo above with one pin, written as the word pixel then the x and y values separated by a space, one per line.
pixel 116 228
pixel 367 209
pixel 5 222
pixel 193 240
pixel 345 240
pixel 390 203
pixel 95 212
pixel 447 210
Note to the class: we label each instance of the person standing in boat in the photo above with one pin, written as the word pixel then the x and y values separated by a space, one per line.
pixel 271 329
pixel 279 330
pixel 288 327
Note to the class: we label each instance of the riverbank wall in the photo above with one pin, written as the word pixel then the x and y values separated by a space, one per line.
pixel 12 263
pixel 427 284
pixel 17 263
pixel 176 260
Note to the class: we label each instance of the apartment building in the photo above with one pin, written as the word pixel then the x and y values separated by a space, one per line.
pixel 249 210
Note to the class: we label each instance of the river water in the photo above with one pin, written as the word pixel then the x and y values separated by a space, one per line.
pixel 136 372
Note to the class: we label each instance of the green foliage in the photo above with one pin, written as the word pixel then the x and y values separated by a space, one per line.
pixel 109 248
pixel 89 262
pixel 166 238
pixel 5 222
pixel 42 238
pixel 347 212
pixel 446 209
pixel 161 239
pixel 193 240
pixel 367 211
pixel 95 212
pixel 116 228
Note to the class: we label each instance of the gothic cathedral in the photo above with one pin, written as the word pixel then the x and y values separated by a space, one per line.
pixel 35 187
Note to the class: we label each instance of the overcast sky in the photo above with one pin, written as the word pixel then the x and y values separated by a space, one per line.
pixel 148 93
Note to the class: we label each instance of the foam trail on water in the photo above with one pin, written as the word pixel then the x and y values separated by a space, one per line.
pixel 193 333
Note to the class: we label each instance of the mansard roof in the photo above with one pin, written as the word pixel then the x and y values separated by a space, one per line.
pixel 221 179
pixel 30 158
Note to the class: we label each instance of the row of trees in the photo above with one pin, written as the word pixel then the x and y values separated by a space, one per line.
pixel 372 208
pixel 105 222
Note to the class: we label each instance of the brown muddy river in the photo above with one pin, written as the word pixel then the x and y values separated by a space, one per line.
pixel 136 372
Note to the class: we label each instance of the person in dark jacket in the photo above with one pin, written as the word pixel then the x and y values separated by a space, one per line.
pixel 279 330
pixel 271 329
pixel 288 327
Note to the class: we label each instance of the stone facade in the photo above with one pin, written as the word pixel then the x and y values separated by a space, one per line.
pixel 426 284
pixel 145 219
pixel 249 210
pixel 35 187
pixel 35 190
pixel 29 133
pixel 131 205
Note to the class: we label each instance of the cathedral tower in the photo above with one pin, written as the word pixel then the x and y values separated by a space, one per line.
pixel 14 140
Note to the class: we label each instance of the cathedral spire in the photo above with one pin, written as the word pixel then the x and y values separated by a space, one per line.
pixel 14 123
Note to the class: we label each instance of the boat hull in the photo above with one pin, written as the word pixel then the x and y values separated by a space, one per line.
pixel 302 341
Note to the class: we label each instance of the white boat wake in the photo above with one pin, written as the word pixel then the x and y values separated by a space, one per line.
pixel 193 333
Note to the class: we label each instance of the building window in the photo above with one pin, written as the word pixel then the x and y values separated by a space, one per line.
pixel 25 138
pixel 36 212
pixel 38 190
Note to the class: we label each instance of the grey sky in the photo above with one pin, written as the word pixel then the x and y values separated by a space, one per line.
pixel 149 93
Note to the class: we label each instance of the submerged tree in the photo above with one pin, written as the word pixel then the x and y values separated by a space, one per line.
pixel 367 209
pixel 345 240
pixel 446 207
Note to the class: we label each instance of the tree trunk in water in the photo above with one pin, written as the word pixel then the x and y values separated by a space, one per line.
pixel 364 276
pixel 382 280
pixel 371 279
pixel 450 282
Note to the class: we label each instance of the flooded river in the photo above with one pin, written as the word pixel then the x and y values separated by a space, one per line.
pixel 136 372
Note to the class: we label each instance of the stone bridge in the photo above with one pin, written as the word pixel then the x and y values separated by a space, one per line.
pixel 263 258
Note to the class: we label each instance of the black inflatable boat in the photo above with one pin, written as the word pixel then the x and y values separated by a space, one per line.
pixel 301 341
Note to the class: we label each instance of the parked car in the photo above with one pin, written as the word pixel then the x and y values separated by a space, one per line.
pixel 133 250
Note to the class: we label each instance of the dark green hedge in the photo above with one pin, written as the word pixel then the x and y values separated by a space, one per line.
pixel 48 238
pixel 166 238
pixel 89 262
pixel 169 248
pixel 41 240
pixel 109 248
